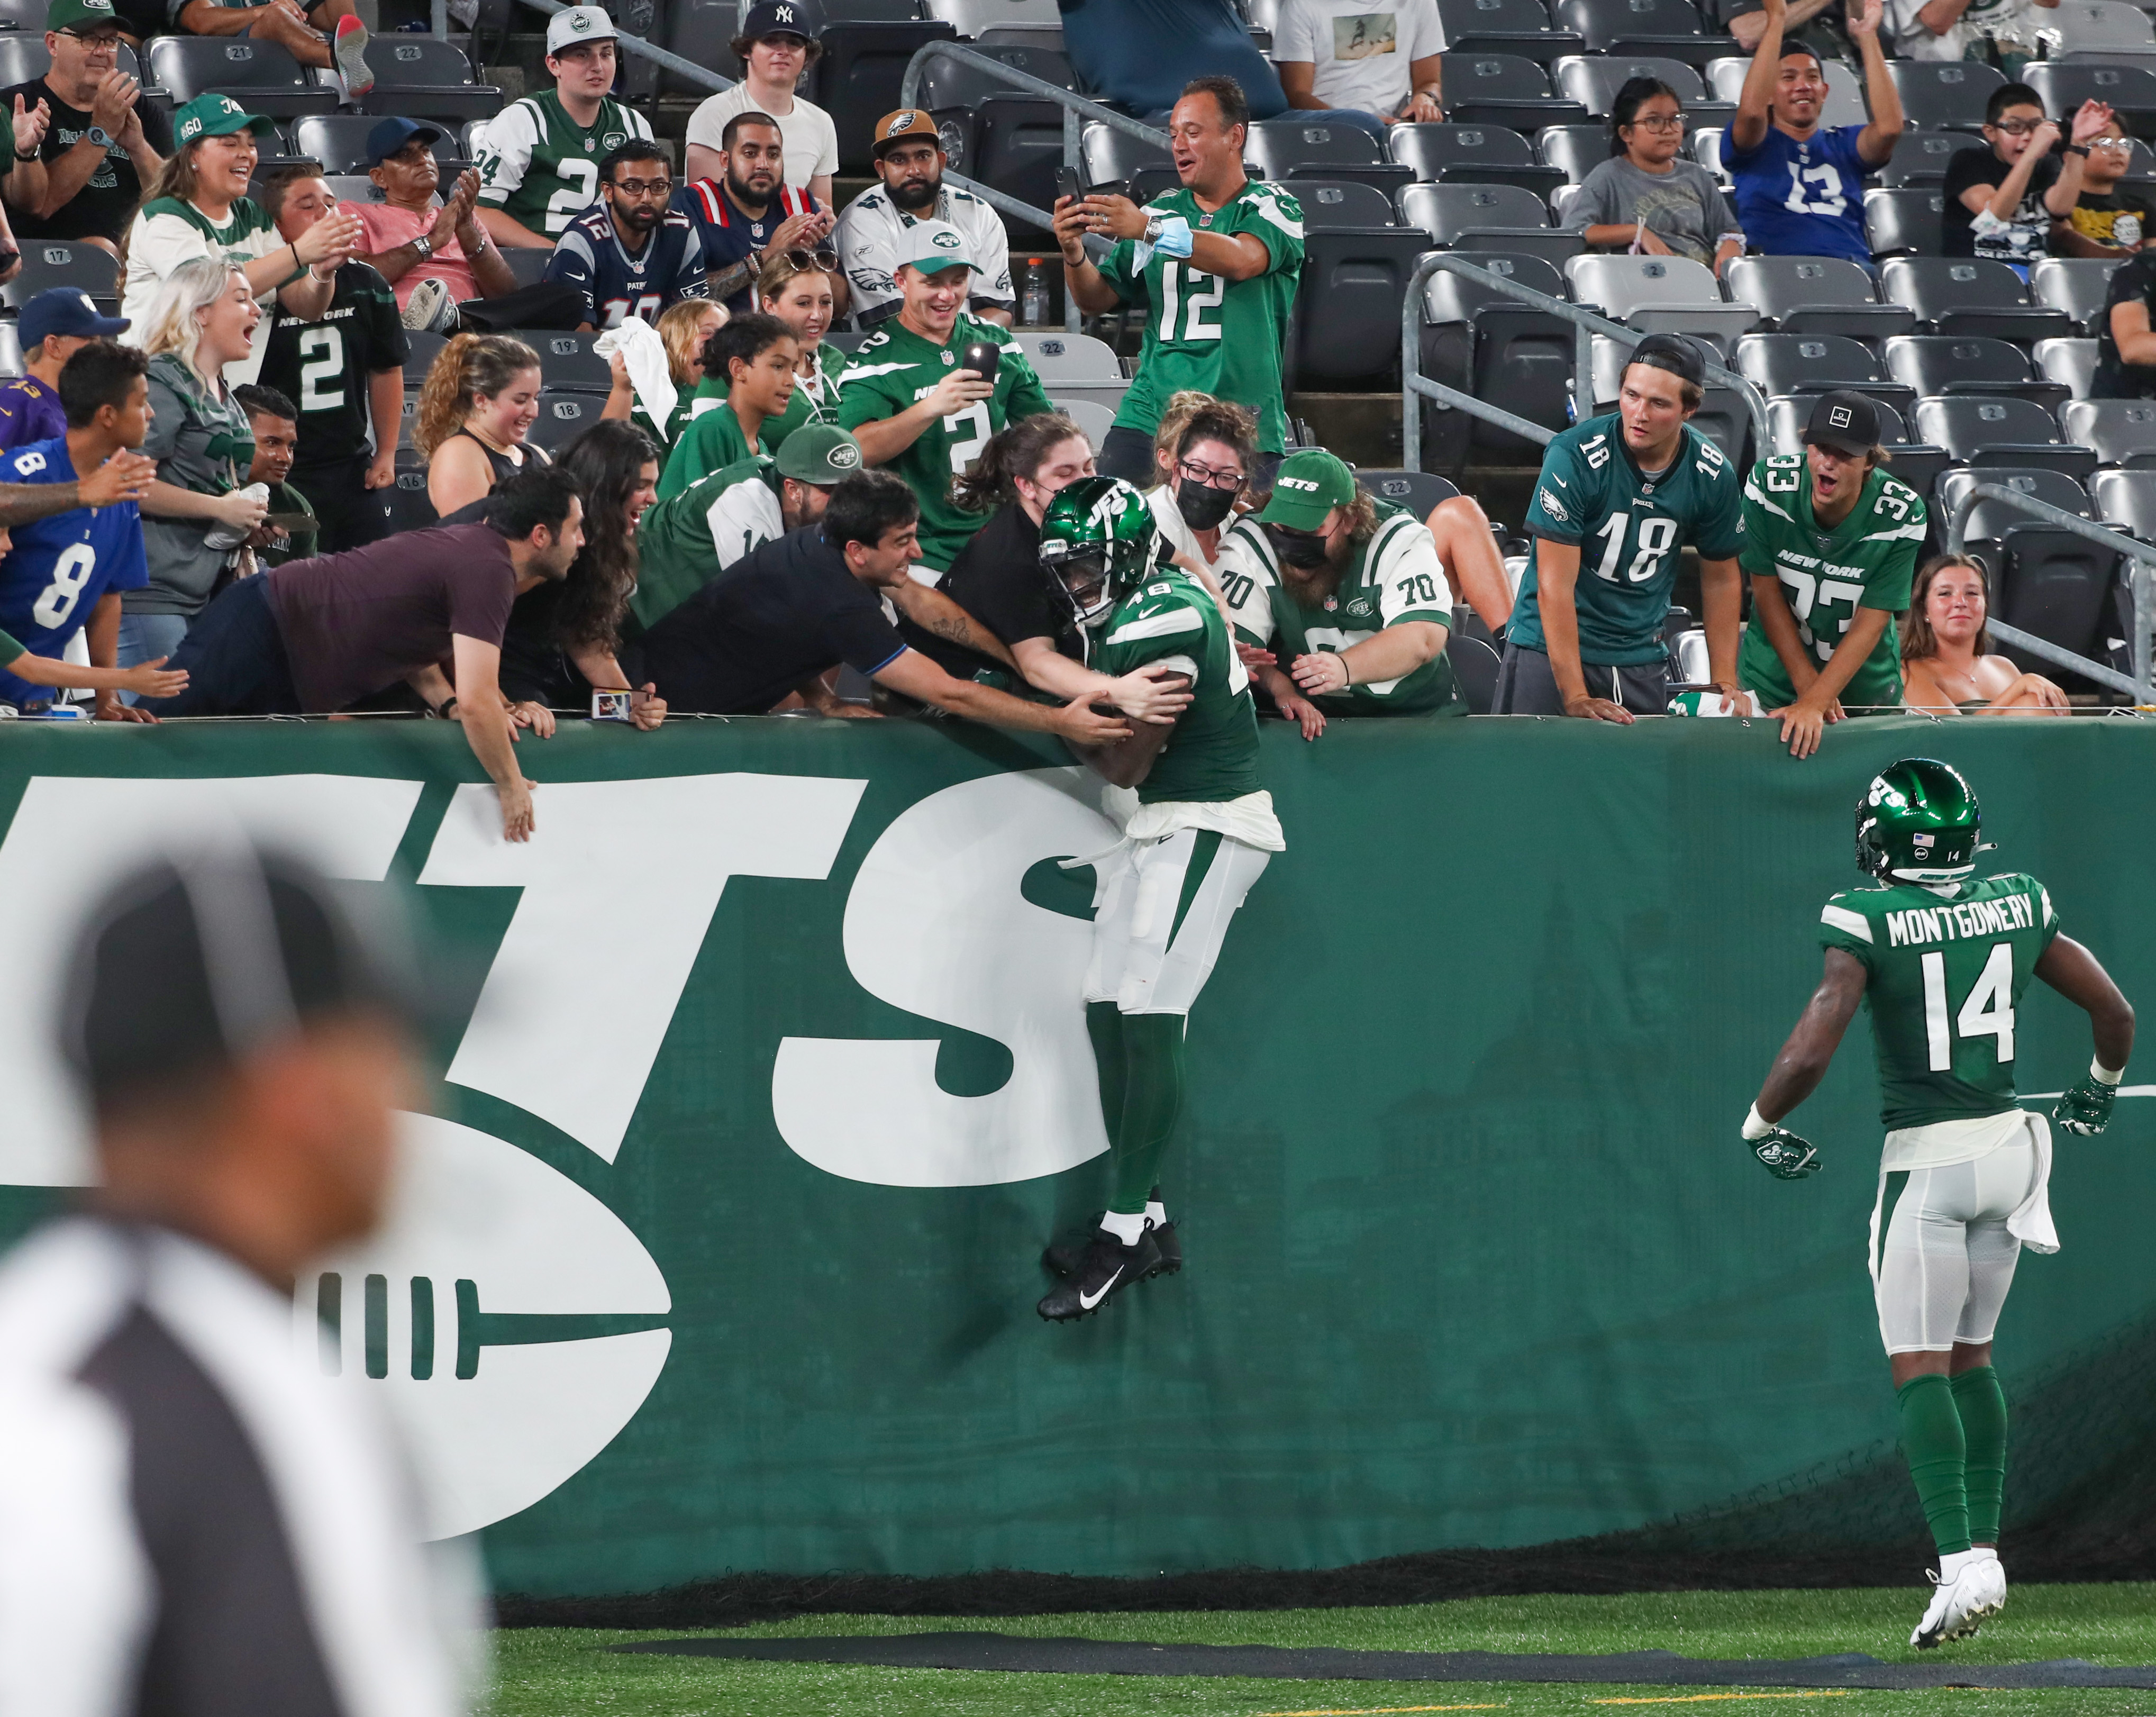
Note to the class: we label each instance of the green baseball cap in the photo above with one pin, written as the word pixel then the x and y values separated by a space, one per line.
pixel 821 454
pixel 76 16
pixel 214 116
pixel 1308 486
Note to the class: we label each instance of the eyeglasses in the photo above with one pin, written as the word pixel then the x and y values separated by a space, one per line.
pixel 645 187
pixel 102 43
pixel 1662 121
pixel 2019 127
pixel 1191 472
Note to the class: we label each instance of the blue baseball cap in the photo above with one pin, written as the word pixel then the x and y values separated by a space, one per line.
pixel 391 134
pixel 63 309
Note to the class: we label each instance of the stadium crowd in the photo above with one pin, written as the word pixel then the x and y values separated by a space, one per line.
pixel 759 504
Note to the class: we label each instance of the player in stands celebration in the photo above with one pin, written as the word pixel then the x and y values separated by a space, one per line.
pixel 1200 834
pixel 1830 543
pixel 1943 956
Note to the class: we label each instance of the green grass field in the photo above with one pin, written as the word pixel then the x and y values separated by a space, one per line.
pixel 565 1672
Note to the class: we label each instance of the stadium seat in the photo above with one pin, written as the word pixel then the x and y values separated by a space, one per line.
pixel 2129 89
pixel 2076 284
pixel 1903 223
pixel 1920 158
pixel 700 31
pixel 1944 363
pixel 1346 324
pixel 950 83
pixel 338 142
pixel 1660 295
pixel 1594 82
pixel 1446 211
pixel 1075 366
pixel 1093 419
pixel 1420 492
pixel 2126 500
pixel 1816 295
pixel 1576 151
pixel 2072 363
pixel 56 262
pixel 22 55
pixel 426 80
pixel 969 18
pixel 421 350
pixel 346 187
pixel 1968 297
pixel 1670 28
pixel 1497 348
pixel 1943 95
pixel 11 350
pixel 1504 90
pixel 1813 363
pixel 2122 431
pixel 1554 245
pixel 857 77
pixel 1517 27
pixel 1279 147
pixel 406 417
pixel 1475 670
pixel 1980 431
pixel 261 75
pixel 566 363
pixel 405 502
pixel 1018 147
pixel 1481 155
pixel 2099 27
pixel 527 262
pixel 1110 157
pixel 563 416
pixel 1342 204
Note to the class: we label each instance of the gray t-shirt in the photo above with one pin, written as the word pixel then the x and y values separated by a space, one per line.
pixel 203 443
pixel 1684 207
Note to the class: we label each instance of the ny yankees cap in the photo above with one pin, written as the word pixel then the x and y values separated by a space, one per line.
pixel 930 246
pixel 1846 422
pixel 780 18
pixel 819 453
pixel 904 126
pixel 579 23
pixel 1308 486
pixel 1677 354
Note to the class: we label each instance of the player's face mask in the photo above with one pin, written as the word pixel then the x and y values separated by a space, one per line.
pixel 1084 576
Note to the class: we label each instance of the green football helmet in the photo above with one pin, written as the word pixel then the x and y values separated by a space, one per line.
pixel 1919 822
pixel 1097 540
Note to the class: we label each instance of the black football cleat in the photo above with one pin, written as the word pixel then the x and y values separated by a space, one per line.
pixel 1065 1258
pixel 1107 1267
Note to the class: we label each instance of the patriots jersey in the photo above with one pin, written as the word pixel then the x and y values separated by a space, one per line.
pixel 616 285
pixel 52 578
pixel 728 235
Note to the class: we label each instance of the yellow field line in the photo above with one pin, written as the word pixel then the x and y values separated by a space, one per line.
pixel 1381 1711
pixel 1830 1692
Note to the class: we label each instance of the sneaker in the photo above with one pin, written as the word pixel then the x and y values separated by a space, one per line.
pixel 350 55
pixel 430 309
pixel 1067 1257
pixel 1108 1266
pixel 1955 1608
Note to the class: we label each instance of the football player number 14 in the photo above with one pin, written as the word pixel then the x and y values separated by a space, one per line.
pixel 1987 1011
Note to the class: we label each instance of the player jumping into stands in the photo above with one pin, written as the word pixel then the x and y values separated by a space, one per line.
pixel 1944 957
pixel 1199 836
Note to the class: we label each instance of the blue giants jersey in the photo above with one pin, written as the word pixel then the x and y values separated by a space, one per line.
pixel 50 581
pixel 616 285
pixel 1801 199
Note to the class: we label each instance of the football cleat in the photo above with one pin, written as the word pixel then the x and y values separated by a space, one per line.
pixel 1785 1155
pixel 1957 1606
pixel 2086 1108
pixel 1107 1267
pixel 1066 1257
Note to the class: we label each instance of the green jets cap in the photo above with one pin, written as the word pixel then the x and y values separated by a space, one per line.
pixel 214 116
pixel 76 16
pixel 1308 486
pixel 930 246
pixel 821 454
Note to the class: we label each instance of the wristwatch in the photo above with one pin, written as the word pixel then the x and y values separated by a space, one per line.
pixel 2080 149
pixel 98 136
pixel 1153 230
pixel 424 246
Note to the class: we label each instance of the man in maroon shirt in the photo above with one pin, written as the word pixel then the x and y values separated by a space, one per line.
pixel 311 636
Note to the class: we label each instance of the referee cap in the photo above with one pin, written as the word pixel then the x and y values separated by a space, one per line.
pixel 201 958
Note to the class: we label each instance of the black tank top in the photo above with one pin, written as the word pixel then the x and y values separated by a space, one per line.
pixel 501 465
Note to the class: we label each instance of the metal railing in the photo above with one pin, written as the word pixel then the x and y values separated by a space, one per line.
pixel 1586 324
pixel 2141 560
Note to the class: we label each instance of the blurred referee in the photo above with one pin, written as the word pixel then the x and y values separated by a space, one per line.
pixel 189 1523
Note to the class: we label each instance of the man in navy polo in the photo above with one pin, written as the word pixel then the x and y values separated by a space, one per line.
pixel 53 327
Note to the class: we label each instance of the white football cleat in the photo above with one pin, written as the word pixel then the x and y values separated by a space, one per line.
pixel 1955 1609
pixel 1989 1597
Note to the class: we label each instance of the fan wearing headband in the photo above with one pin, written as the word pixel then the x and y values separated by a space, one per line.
pixel 1201 833
pixel 1944 957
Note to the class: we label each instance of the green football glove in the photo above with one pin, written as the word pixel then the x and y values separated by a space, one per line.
pixel 1785 1155
pixel 2084 1109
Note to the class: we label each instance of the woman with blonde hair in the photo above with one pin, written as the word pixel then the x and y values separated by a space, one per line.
pixel 200 509
pixel 682 329
pixel 1946 667
pixel 480 398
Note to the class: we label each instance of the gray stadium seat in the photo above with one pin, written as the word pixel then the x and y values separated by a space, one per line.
pixel 1517 27
pixel 1964 296
pixel 347 188
pixel 2100 27
pixel 1018 147
pixel 1328 203
pixel 1093 419
pixel 1576 149
pixel 1475 669
pixel 2126 500
pixel 1636 27
pixel 564 416
pixel 2076 284
pixel 2130 89
pixel 2122 431
pixel 1279 147
pixel 1660 295
pixel 338 142
pixel 1446 211
pixel 1552 244
pixel 2072 363
pixel 2051 582
pixel 526 262
pixel 1420 492
pixel 1503 89
pixel 58 262
pixel 857 77
pixel 1903 223
pixel 1990 519
pixel 1813 363
pixel 1984 431
pixel 969 18
pixel 701 30
pixel 1111 156
pixel 1920 158
pixel 424 78
pixel 11 350
pixel 1816 295
pixel 263 76
pixel 1946 363
pixel 1497 348
pixel 421 350
pixel 1594 82
pixel 948 83
pixel 404 503
pixel 566 363
pixel 1481 155
pixel 23 56
pixel 1939 94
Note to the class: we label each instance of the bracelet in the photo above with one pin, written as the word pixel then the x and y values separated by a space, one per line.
pixel 424 246
pixel 1347 672
pixel 33 154
pixel 448 704
pixel 299 268
pixel 2080 149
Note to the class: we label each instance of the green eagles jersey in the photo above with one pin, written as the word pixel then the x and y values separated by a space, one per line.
pixel 541 168
pixel 811 404
pixel 1395 576
pixel 711 442
pixel 1629 529
pixel 896 367
pixel 1212 755
pixel 1946 970
pixel 1867 561
pixel 684 543
pixel 1219 336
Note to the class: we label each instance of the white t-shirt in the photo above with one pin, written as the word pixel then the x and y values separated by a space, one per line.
pixel 811 140
pixel 1362 48
pixel 166 234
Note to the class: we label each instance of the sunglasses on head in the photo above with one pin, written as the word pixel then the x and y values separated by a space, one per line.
pixel 804 262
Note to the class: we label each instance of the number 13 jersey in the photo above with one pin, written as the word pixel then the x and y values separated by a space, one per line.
pixel 51 579
pixel 1219 336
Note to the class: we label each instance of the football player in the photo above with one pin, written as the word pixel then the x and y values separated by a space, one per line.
pixel 1202 832
pixel 1943 956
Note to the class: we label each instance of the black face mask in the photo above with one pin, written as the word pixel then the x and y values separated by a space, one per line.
pixel 1298 549
pixel 1202 506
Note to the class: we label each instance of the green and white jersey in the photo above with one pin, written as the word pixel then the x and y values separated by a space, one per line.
pixel 684 542
pixel 1866 561
pixel 1629 528
pixel 711 443
pixel 1946 968
pixel 895 368
pixel 1395 576
pixel 1220 336
pixel 815 399
pixel 170 231
pixel 541 168
pixel 1212 755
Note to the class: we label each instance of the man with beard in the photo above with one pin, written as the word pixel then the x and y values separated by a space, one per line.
pixel 748 210
pixel 910 161
pixel 629 254
pixel 1348 594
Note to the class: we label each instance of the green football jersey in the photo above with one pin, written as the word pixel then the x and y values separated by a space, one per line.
pixel 541 168
pixel 1222 337
pixel 712 441
pixel 1213 755
pixel 813 402
pixel 893 368
pixel 1629 529
pixel 1866 561
pixel 1946 970
pixel 1395 576
pixel 684 543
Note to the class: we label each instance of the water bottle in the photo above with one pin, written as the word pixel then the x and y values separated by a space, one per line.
pixel 1036 293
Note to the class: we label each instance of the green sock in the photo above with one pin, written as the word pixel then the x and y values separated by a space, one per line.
pixel 1152 1098
pixel 1981 1404
pixel 1933 1444
pixel 1104 1024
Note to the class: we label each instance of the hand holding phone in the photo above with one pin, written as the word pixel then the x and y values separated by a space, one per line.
pixel 983 357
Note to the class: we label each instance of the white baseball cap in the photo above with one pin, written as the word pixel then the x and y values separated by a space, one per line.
pixel 579 23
